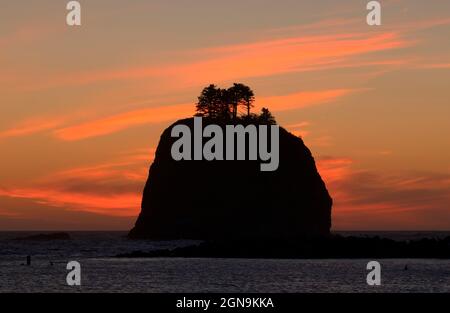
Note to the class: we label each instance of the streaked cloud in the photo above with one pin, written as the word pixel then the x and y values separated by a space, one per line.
pixel 334 169
pixel 298 129
pixel 435 66
pixel 32 126
pixel 275 57
pixel 383 201
pixel 118 122
pixel 133 166
pixel 239 61
pixel 302 99
pixel 26 34
pixel 111 204
pixel 111 188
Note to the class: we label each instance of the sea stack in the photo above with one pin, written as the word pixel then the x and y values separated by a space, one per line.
pixel 219 200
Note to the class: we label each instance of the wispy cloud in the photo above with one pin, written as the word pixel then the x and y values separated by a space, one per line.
pixel 434 66
pixel 68 129
pixel 274 57
pixel 298 129
pixel 125 204
pixel 111 188
pixel 302 99
pixel 32 126
pixel 25 34
pixel 239 61
pixel 118 122
pixel 334 169
pixel 130 167
pixel 385 200
pixel 325 44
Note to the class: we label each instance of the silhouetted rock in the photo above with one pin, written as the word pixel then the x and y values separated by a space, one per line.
pixel 46 237
pixel 233 199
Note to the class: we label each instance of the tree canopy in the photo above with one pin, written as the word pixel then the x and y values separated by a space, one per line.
pixel 224 104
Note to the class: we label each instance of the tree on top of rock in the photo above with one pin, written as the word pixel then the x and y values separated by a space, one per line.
pixel 240 95
pixel 266 117
pixel 247 97
pixel 223 104
pixel 211 103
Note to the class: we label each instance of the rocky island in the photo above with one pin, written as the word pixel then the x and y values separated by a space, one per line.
pixel 217 200
pixel 237 210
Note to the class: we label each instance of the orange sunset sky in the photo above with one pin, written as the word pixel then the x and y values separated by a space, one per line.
pixel 82 108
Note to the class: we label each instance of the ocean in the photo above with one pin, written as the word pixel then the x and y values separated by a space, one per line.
pixel 101 271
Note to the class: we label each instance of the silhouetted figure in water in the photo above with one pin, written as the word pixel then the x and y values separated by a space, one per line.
pixel 406 267
pixel 28 260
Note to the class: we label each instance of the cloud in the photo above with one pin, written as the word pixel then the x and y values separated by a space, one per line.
pixel 321 45
pixel 28 215
pixel 275 57
pixel 302 99
pixel 131 167
pixel 325 25
pixel 362 199
pixel 298 129
pixel 124 204
pixel 267 57
pixel 369 200
pixel 435 66
pixel 32 126
pixel 26 34
pixel 8 213
pixel 118 122
pixel 411 27
pixel 112 188
pixel 334 169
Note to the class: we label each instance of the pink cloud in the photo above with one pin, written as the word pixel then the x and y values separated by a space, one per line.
pixel 124 204
pixel 121 121
pixel 118 122
pixel 302 99
pixel 239 61
pixel 374 201
pixel 435 66
pixel 32 126
pixel 111 188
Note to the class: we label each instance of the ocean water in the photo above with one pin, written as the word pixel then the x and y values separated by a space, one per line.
pixel 102 272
